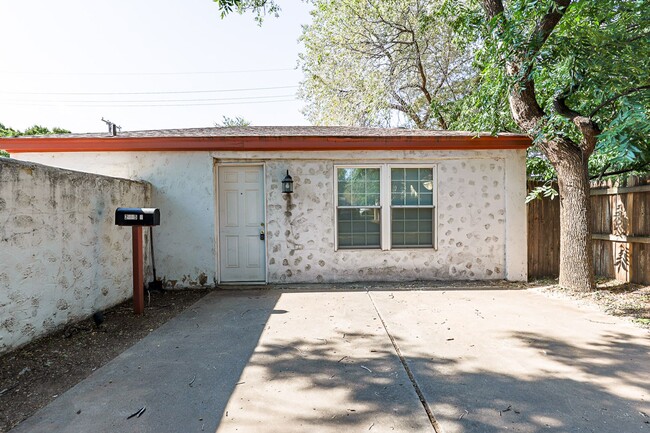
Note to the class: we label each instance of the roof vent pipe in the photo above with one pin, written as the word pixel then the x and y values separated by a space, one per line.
pixel 112 127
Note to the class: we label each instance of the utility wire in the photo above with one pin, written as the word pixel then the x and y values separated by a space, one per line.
pixel 64 101
pixel 243 71
pixel 153 105
pixel 148 93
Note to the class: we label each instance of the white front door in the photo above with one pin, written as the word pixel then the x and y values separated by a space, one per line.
pixel 241 220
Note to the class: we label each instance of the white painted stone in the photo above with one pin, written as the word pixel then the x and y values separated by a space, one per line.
pixel 61 256
pixel 517 224
pixel 481 214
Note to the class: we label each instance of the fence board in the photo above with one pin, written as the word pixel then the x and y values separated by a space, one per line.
pixel 621 224
pixel 543 237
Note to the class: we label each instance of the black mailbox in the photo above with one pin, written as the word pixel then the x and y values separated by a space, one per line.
pixel 137 216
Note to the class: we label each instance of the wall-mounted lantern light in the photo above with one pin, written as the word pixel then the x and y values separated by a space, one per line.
pixel 287 184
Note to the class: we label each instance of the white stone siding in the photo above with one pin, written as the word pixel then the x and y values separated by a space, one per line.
pixel 471 228
pixel 481 214
pixel 61 256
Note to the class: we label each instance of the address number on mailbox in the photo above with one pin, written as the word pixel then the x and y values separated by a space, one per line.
pixel 137 216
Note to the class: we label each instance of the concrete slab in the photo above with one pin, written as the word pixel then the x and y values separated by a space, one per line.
pixel 322 360
pixel 326 365
pixel 250 361
pixel 183 373
pixel 490 361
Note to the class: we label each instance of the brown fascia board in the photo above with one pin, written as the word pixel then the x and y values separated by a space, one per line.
pixel 262 143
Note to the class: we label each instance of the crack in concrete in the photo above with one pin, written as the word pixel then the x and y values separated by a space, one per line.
pixel 432 419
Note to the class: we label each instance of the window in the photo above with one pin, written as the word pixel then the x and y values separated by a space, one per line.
pixel 411 207
pixel 385 206
pixel 358 212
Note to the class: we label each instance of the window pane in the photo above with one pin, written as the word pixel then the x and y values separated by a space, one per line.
pixel 412 174
pixel 426 198
pixel 397 186
pixel 425 239
pixel 373 238
pixel 358 186
pixel 411 186
pixel 412 227
pixel 345 241
pixel 359 227
pixel 425 214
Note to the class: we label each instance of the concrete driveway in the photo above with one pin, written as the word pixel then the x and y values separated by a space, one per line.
pixel 386 360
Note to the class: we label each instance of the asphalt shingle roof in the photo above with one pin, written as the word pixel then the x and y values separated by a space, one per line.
pixel 276 131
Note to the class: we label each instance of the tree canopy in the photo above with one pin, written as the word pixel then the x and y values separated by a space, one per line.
pixel 592 67
pixel 595 60
pixel 229 122
pixel 366 60
pixel 6 131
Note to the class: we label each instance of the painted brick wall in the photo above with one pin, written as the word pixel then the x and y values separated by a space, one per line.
pixel 61 256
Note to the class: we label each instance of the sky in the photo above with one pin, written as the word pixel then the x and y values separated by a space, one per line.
pixel 146 64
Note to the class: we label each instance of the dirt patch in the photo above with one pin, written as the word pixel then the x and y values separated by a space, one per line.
pixel 627 300
pixel 36 374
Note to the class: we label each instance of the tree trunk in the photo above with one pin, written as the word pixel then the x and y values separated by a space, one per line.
pixel 568 157
pixel 576 245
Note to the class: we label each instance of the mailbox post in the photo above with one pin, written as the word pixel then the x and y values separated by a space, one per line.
pixel 137 218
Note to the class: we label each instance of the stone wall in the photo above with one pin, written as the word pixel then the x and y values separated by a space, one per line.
pixel 471 228
pixel 61 256
pixel 481 214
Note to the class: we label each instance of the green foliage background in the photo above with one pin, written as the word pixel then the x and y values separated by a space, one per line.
pixel 6 131
pixel 597 59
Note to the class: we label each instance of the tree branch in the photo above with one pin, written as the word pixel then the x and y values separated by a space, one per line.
pixel 620 95
pixel 548 23
pixel 492 8
pixel 408 110
pixel 541 33
pixel 623 171
pixel 587 127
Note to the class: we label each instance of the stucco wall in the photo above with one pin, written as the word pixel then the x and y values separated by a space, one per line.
pixel 183 189
pixel 61 256
pixel 481 230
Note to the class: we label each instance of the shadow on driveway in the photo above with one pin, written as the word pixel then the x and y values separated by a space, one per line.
pixel 282 361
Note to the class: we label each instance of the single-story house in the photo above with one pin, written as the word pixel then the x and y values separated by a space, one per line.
pixel 367 204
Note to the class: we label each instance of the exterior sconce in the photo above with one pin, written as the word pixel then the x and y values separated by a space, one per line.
pixel 287 184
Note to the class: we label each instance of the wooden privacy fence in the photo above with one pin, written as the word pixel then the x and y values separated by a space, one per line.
pixel 621 232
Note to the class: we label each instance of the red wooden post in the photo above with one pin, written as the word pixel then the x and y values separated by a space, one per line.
pixel 138 271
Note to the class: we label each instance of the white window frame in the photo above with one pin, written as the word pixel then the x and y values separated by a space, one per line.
pixel 336 204
pixel 385 205
pixel 434 204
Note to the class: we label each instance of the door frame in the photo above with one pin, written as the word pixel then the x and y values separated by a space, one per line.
pixel 217 238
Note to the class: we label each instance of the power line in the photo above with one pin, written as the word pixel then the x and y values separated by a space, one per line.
pixel 148 93
pixel 242 71
pixel 153 105
pixel 64 101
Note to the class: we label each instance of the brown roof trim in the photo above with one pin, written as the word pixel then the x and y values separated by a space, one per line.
pixel 262 143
